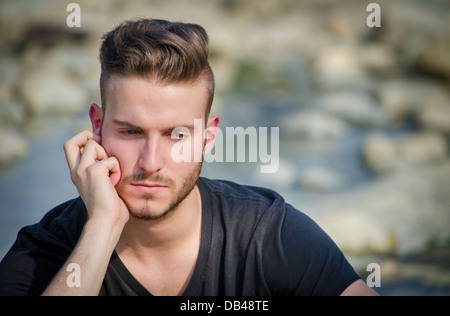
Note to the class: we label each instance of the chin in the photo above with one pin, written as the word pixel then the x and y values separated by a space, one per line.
pixel 148 208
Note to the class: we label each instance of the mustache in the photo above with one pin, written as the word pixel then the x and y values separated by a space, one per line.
pixel 154 178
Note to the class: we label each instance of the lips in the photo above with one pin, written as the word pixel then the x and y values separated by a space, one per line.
pixel 149 188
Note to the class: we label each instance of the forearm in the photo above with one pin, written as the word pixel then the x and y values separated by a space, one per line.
pixel 95 175
pixel 91 255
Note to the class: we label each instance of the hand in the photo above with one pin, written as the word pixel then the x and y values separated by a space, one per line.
pixel 95 175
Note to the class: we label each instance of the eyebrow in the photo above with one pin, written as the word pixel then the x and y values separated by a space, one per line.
pixel 133 126
pixel 126 124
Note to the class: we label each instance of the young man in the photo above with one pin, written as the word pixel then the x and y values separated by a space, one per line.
pixel 147 224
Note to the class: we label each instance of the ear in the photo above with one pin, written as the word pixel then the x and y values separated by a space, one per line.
pixel 210 134
pixel 96 115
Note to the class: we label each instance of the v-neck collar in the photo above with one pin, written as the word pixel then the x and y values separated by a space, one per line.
pixel 202 257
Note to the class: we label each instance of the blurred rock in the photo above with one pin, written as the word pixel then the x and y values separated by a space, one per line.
pixel 400 99
pixel 434 58
pixel 313 126
pixel 403 99
pixel 408 28
pixel 384 154
pixel 12 113
pixel 13 146
pixel 404 213
pixel 436 118
pixel 225 72
pixel 357 107
pixel 77 60
pixel 380 153
pixel 424 148
pixel 52 91
pixel 320 179
pixel 338 67
pixel 284 178
pixel 11 109
pixel 434 114
pixel 378 59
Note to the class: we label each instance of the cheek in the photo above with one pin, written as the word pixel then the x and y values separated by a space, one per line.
pixel 122 151
pixel 185 171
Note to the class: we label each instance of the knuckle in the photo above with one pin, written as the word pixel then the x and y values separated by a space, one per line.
pixel 91 170
pixel 77 175
pixel 67 145
pixel 89 144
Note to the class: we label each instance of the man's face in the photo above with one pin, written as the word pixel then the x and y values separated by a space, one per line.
pixel 137 129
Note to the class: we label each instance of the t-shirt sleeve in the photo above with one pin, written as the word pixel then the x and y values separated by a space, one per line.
pixel 40 251
pixel 301 259
pixel 30 265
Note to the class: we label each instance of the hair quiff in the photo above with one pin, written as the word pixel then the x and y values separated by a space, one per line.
pixel 169 52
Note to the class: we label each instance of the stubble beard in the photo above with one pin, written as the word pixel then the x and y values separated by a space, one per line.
pixel 147 212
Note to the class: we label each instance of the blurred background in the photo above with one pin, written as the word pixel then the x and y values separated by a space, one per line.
pixel 364 114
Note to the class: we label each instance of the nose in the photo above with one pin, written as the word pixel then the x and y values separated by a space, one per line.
pixel 150 158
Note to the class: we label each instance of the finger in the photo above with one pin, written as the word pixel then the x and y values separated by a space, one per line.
pixel 92 153
pixel 73 148
pixel 112 167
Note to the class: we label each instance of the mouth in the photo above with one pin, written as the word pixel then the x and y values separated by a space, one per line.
pixel 149 188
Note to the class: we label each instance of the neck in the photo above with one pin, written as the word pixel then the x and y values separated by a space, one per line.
pixel 183 225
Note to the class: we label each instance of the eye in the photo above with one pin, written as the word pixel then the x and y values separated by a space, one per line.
pixel 178 136
pixel 180 133
pixel 130 132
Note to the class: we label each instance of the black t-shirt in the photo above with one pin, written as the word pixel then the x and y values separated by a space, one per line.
pixel 252 243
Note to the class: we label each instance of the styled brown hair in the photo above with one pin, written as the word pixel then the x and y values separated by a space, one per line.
pixel 170 52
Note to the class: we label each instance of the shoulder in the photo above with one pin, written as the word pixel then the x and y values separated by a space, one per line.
pixel 249 205
pixel 247 208
pixel 260 215
pixel 61 225
pixel 221 190
pixel 41 249
pixel 281 216
pixel 314 264
pixel 295 255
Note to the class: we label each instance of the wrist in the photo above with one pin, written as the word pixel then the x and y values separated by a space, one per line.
pixel 107 221
pixel 104 230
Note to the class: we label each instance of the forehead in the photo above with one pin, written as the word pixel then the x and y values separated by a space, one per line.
pixel 141 99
